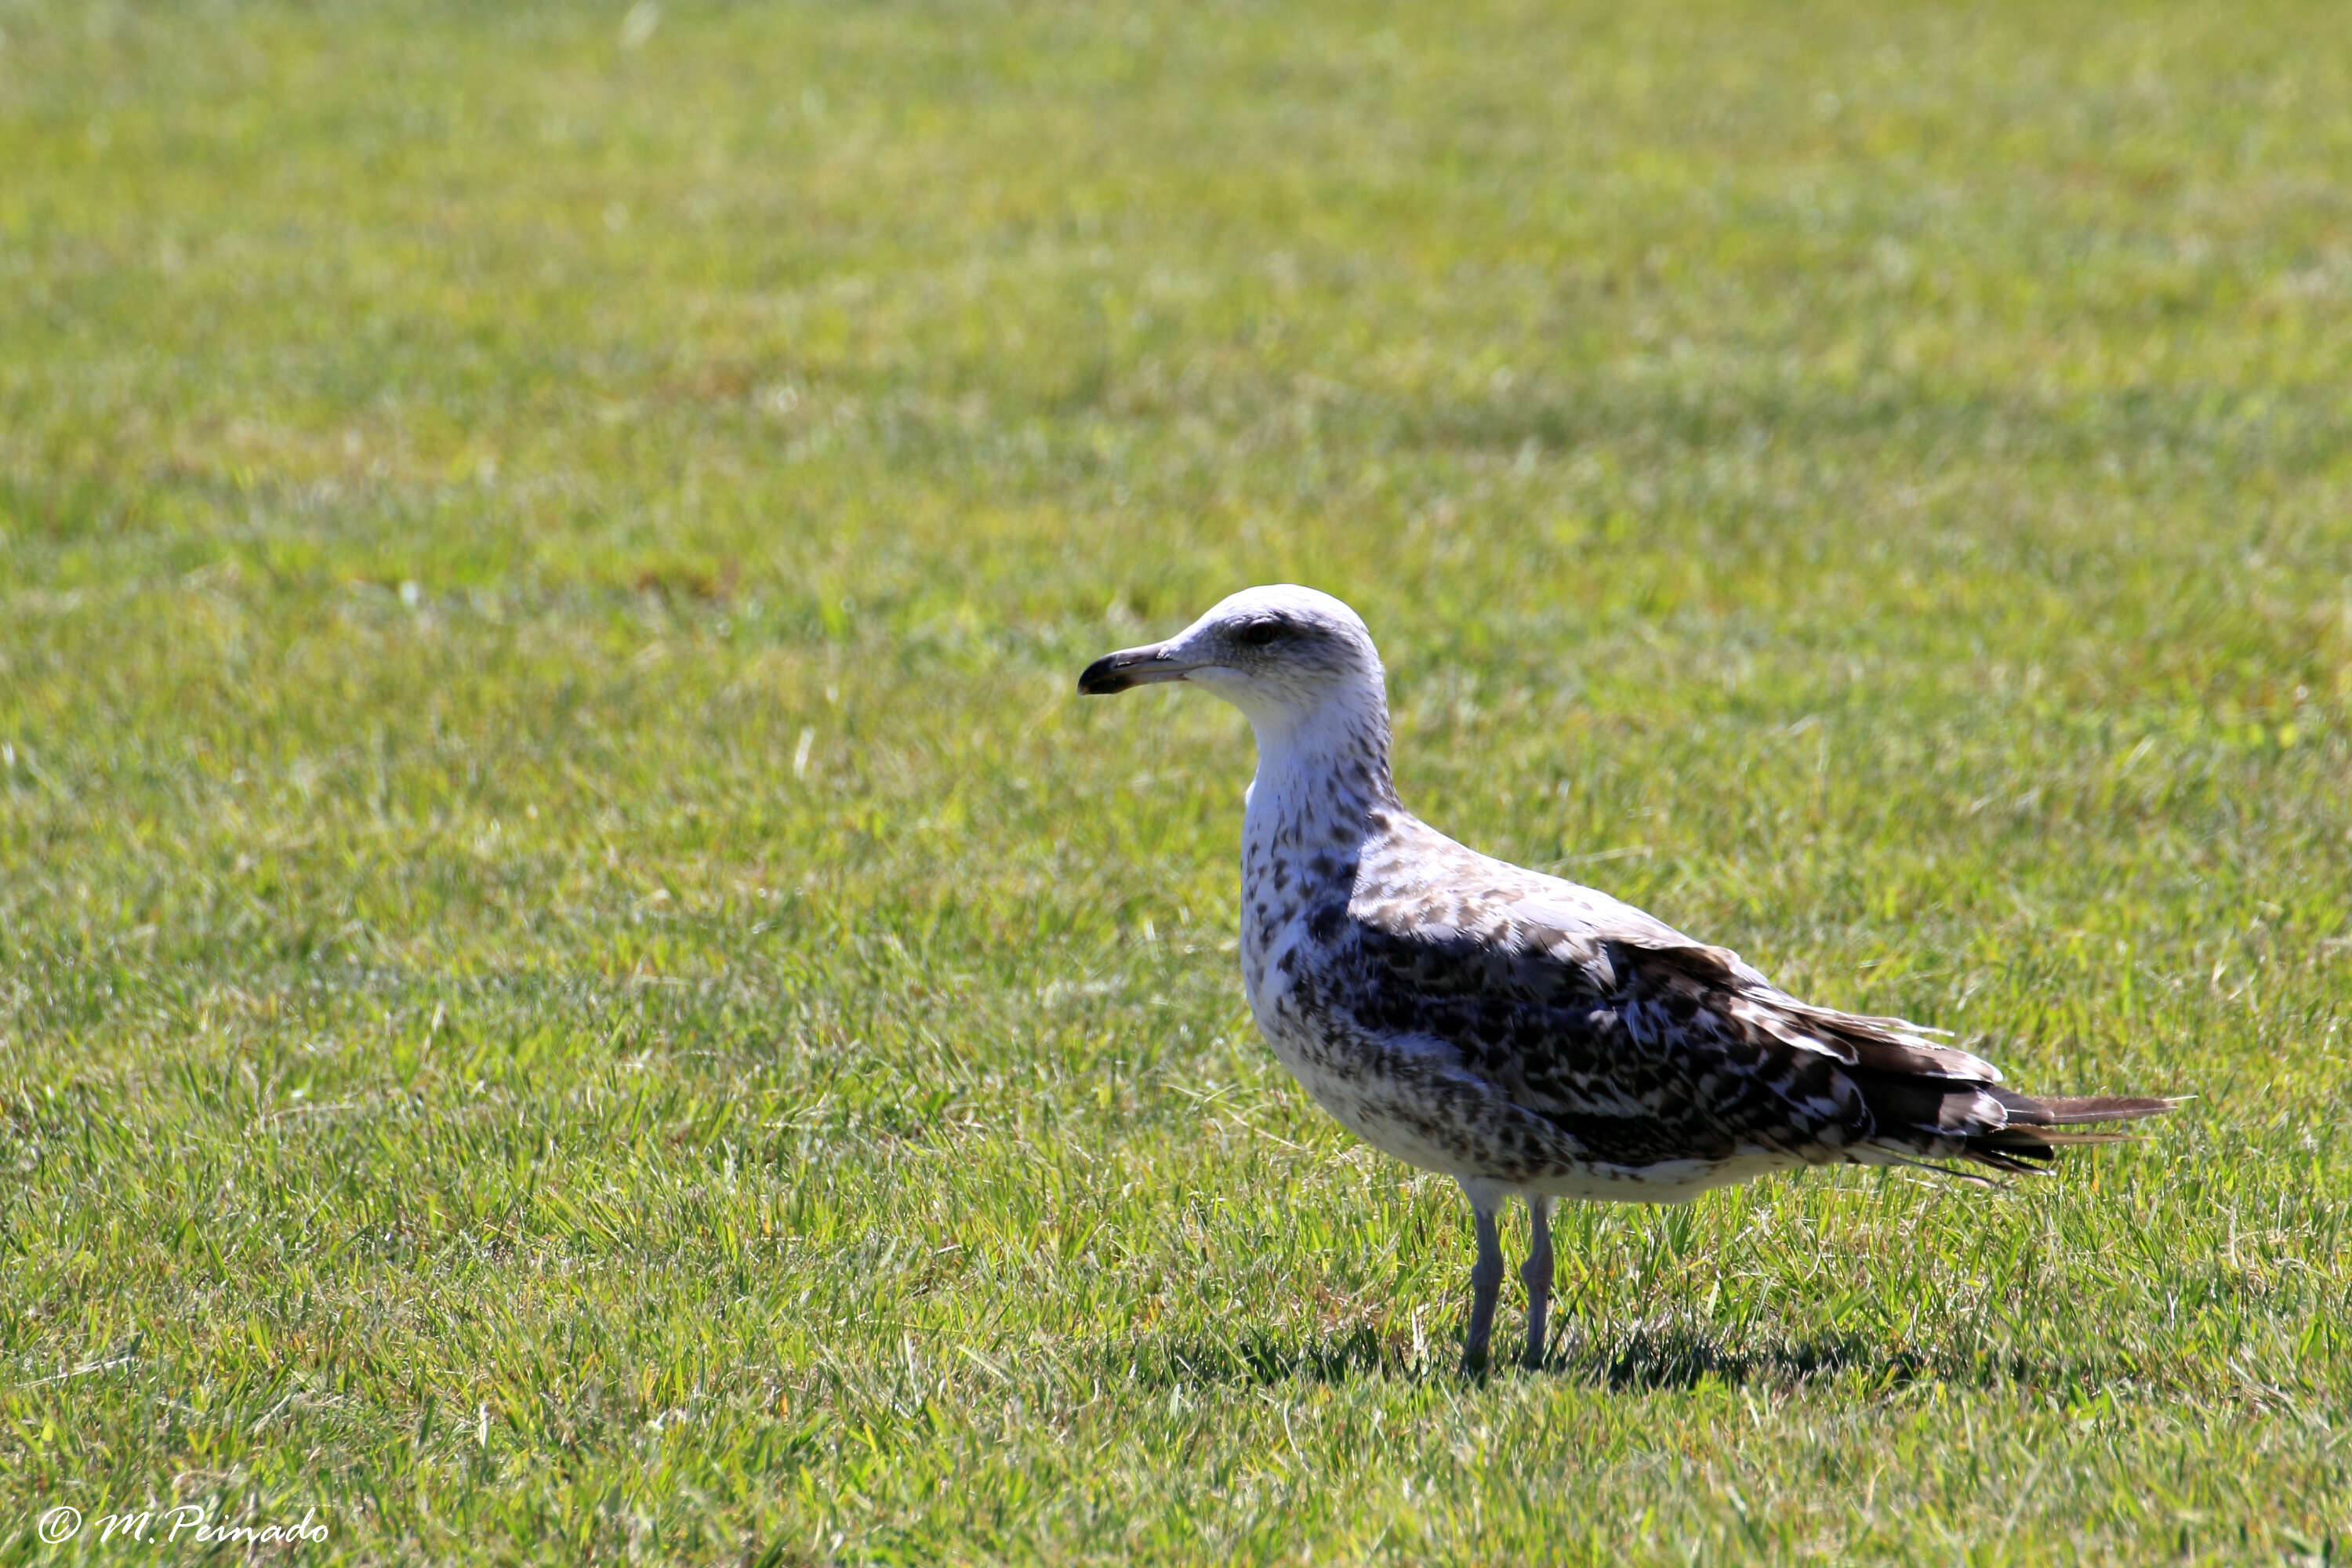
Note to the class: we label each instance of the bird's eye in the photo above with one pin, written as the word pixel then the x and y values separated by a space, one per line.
pixel 1257 634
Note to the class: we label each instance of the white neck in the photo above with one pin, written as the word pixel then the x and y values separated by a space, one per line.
pixel 1320 775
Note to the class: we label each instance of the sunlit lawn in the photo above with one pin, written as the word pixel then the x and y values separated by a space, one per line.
pixel 574 981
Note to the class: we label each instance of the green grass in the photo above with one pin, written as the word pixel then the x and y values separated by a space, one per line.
pixel 574 981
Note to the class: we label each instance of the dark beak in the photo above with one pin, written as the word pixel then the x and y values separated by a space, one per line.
pixel 1114 672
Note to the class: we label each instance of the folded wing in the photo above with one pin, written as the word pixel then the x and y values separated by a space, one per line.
pixel 1645 1047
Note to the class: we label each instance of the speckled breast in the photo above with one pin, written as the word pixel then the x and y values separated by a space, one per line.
pixel 1410 1110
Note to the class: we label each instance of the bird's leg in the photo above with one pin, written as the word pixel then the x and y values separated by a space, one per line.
pixel 1535 1273
pixel 1485 1283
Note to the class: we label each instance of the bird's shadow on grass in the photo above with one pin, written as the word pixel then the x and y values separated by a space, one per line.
pixel 1636 1360
pixel 1644 1358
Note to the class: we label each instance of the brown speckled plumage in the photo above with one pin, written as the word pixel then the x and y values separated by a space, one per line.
pixel 1521 1033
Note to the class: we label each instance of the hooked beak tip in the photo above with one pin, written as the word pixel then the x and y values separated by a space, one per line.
pixel 1116 672
pixel 1103 677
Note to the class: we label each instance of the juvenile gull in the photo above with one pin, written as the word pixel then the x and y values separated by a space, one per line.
pixel 1522 1034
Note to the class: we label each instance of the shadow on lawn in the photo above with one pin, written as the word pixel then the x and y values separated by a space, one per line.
pixel 1648 1358
pixel 1636 1360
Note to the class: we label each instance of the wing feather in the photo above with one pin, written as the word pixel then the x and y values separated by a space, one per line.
pixel 1644 1045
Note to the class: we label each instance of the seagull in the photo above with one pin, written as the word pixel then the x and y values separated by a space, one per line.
pixel 1523 1034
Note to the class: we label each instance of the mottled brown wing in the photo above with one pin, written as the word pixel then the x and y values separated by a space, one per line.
pixel 1644 1046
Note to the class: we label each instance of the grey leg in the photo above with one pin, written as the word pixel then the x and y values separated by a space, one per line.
pixel 1535 1273
pixel 1485 1279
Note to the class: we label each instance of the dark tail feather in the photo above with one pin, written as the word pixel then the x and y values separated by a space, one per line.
pixel 2039 1128
pixel 2061 1111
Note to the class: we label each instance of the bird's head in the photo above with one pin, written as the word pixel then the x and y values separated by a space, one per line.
pixel 1283 654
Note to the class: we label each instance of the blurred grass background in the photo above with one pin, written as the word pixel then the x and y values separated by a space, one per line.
pixel 573 981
